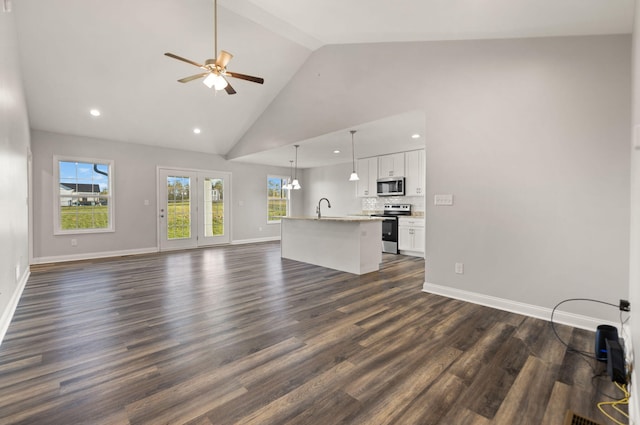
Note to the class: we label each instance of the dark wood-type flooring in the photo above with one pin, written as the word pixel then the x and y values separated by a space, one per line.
pixel 236 335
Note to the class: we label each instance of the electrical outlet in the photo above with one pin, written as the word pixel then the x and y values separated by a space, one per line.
pixel 74 242
pixel 459 268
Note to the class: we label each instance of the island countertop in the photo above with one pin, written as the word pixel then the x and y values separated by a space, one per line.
pixel 350 218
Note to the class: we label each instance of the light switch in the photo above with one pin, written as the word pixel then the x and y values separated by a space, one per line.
pixel 445 199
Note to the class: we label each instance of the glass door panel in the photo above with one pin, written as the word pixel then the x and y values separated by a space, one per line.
pixel 178 207
pixel 214 205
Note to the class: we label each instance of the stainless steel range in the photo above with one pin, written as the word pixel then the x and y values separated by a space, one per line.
pixel 391 213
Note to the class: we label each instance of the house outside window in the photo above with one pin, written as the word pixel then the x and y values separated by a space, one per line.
pixel 83 196
pixel 277 199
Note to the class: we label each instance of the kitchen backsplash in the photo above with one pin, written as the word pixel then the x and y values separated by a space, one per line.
pixel 376 204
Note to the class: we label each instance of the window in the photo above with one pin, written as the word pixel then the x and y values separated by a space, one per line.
pixel 277 198
pixel 83 195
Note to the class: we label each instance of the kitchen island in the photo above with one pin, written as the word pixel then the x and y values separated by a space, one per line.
pixel 351 244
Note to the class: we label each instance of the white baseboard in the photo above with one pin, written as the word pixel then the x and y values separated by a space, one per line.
pixel 256 240
pixel 122 253
pixel 93 255
pixel 412 253
pixel 561 317
pixel 8 312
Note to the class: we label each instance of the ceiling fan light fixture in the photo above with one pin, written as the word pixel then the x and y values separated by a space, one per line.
pixel 215 81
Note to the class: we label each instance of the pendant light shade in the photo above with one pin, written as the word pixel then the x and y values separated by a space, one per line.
pixel 295 183
pixel 288 185
pixel 354 175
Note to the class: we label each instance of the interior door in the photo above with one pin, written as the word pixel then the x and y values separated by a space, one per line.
pixel 193 208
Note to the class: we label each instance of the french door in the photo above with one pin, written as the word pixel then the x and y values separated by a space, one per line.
pixel 193 208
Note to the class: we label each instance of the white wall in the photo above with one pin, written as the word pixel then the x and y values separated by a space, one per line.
pixel 529 135
pixel 135 181
pixel 333 183
pixel 14 148
pixel 634 270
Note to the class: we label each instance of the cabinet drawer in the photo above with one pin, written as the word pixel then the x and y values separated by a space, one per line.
pixel 410 222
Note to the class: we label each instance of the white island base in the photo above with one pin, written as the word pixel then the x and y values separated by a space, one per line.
pixel 348 244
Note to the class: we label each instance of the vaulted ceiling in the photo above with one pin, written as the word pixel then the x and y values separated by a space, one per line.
pixel 82 54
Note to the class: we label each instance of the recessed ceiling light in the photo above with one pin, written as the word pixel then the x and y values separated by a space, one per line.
pixel 196 130
pixel 95 112
pixel 336 151
pixel 415 136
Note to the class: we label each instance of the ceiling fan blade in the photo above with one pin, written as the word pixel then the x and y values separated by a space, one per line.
pixel 229 89
pixel 245 77
pixel 223 58
pixel 193 77
pixel 180 58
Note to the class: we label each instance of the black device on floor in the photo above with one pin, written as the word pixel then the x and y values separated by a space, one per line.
pixel 604 333
pixel 615 362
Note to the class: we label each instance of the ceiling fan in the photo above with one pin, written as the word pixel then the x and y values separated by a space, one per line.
pixel 215 70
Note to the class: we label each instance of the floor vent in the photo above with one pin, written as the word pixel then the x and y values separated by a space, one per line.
pixel 573 419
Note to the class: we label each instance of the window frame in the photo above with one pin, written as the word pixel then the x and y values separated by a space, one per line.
pixel 283 181
pixel 57 228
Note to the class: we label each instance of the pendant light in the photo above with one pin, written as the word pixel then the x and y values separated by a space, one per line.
pixel 288 185
pixel 354 175
pixel 295 183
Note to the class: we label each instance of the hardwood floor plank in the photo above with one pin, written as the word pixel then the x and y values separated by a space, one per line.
pixel 529 395
pixel 463 416
pixel 486 393
pixel 388 403
pixel 330 408
pixel 433 404
pixel 299 399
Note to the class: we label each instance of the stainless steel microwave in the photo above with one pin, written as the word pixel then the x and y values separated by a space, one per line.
pixel 390 186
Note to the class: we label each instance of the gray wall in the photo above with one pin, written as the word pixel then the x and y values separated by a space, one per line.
pixel 14 148
pixel 634 278
pixel 135 181
pixel 332 183
pixel 529 135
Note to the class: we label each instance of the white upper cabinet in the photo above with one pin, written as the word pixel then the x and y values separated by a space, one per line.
pixel 391 165
pixel 368 173
pixel 415 173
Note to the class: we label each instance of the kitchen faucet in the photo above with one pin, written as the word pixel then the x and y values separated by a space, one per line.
pixel 318 207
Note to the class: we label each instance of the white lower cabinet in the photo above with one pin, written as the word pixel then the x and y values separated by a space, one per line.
pixel 411 236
